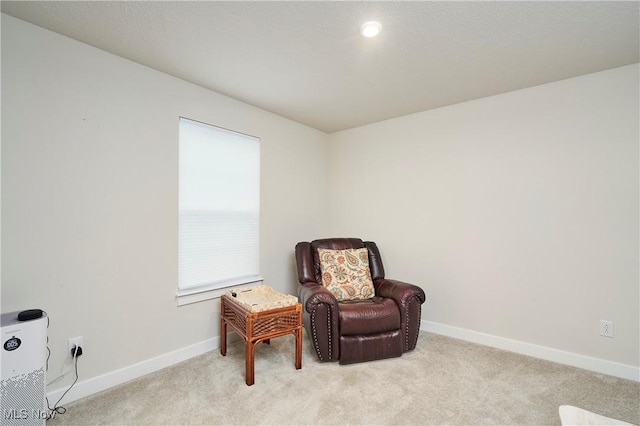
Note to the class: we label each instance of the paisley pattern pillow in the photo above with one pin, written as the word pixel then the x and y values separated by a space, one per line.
pixel 346 273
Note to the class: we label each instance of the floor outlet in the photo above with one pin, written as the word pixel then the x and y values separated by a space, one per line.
pixel 606 328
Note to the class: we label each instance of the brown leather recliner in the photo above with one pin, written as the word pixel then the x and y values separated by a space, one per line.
pixel 384 326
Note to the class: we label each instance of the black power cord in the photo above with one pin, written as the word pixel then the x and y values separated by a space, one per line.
pixel 75 353
pixel 59 409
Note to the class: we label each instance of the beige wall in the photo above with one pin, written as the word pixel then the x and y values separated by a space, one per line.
pixel 518 213
pixel 89 197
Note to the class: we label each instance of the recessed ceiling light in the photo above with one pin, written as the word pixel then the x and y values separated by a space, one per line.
pixel 370 29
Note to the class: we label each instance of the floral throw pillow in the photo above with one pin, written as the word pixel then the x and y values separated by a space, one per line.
pixel 346 273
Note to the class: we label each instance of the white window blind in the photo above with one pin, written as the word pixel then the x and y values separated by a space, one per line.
pixel 219 208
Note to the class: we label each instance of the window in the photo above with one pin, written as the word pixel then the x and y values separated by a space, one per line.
pixel 219 210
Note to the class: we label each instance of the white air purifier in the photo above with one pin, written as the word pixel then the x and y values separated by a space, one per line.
pixel 23 358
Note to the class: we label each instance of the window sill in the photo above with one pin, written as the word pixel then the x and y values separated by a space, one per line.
pixel 187 297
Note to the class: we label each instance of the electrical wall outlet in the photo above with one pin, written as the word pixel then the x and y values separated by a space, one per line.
pixel 606 328
pixel 75 341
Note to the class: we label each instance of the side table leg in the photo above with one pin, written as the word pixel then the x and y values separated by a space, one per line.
pixel 299 348
pixel 223 336
pixel 250 349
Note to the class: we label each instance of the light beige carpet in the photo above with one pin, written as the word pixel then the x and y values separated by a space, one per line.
pixel 443 381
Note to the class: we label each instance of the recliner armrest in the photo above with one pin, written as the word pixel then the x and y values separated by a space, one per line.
pixel 320 317
pixel 409 298
pixel 312 294
pixel 398 290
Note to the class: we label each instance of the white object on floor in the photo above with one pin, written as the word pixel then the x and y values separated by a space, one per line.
pixel 570 415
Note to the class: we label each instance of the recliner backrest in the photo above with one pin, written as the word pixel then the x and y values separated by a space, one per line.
pixel 308 263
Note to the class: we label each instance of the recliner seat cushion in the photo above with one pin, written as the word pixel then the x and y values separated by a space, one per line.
pixel 375 315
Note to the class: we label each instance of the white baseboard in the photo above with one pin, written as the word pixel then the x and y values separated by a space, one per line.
pixel 96 384
pixel 562 357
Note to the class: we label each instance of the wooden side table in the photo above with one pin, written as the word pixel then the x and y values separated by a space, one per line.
pixel 260 326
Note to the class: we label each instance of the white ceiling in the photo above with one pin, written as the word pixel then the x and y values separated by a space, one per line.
pixel 308 62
